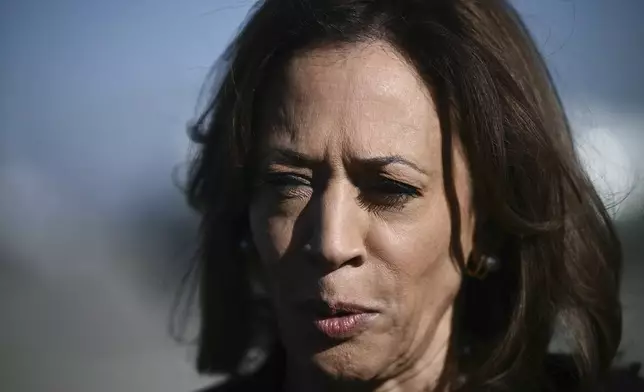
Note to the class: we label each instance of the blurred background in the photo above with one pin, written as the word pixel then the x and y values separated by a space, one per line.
pixel 95 236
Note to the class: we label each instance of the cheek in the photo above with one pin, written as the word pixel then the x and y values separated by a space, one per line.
pixel 271 232
pixel 415 253
pixel 413 243
pixel 417 258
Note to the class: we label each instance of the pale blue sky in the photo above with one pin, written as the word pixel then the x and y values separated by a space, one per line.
pixel 97 93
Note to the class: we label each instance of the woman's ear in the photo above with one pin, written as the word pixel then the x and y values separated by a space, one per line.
pixel 488 236
pixel 486 246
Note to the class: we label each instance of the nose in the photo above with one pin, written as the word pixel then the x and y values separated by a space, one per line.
pixel 338 228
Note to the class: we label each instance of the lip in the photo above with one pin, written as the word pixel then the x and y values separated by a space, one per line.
pixel 344 327
pixel 340 320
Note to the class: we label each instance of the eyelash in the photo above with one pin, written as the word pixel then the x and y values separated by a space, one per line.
pixel 287 183
pixel 391 195
pixel 387 194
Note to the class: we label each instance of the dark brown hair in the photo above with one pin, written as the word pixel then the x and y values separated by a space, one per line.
pixel 539 213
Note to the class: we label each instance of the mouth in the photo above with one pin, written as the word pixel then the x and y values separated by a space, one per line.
pixel 340 320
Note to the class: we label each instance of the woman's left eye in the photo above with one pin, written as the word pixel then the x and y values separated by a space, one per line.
pixel 386 193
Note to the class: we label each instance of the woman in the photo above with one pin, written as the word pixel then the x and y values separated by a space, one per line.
pixel 391 202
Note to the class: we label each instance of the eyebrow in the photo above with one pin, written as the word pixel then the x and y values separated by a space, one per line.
pixel 392 159
pixel 290 157
pixel 293 158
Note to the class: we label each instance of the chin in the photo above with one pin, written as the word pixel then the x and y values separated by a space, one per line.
pixel 348 361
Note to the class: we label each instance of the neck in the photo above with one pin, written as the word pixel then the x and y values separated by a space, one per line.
pixel 422 374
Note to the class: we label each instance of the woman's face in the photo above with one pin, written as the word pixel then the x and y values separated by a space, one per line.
pixel 350 218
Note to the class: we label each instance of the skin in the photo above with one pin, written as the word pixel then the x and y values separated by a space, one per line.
pixel 379 232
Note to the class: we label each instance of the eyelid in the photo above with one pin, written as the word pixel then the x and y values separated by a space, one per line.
pixel 393 196
pixel 401 184
pixel 273 176
pixel 281 167
pixel 388 180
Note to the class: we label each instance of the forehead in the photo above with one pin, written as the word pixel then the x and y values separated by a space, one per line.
pixel 366 70
pixel 366 95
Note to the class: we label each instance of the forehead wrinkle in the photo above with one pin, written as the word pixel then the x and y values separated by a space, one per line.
pixel 345 78
pixel 380 76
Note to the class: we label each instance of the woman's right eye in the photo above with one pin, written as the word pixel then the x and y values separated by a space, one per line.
pixel 288 184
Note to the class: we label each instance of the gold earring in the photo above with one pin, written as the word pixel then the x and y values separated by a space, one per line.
pixel 480 266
